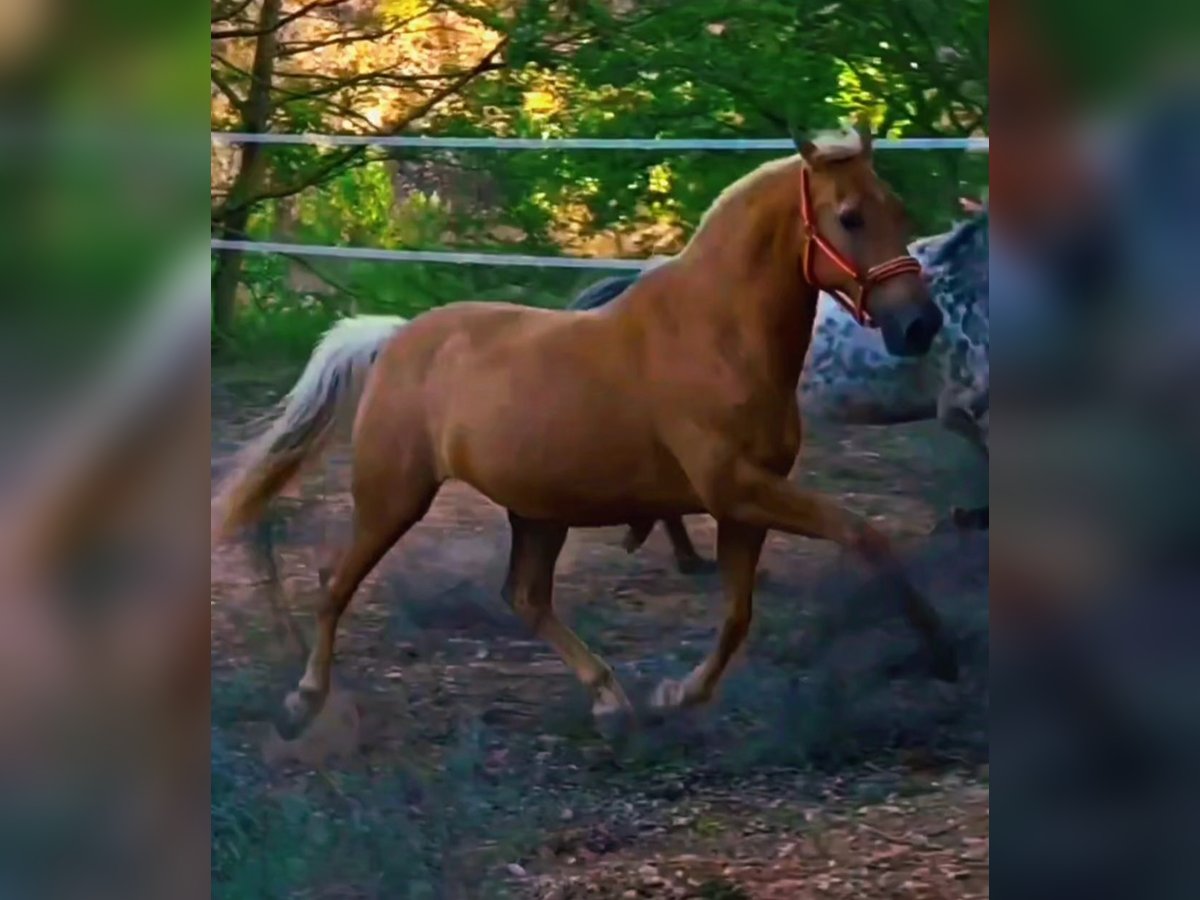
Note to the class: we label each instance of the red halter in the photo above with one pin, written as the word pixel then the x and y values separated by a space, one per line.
pixel 857 307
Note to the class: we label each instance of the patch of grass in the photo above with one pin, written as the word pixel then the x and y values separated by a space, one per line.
pixel 244 693
pixel 399 834
pixel 708 828
pixel 721 889
pixel 599 626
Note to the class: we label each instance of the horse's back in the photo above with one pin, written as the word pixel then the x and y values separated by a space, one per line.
pixel 543 411
pixel 472 353
pixel 469 323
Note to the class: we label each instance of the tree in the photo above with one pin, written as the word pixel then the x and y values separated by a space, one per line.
pixel 321 65
pixel 606 68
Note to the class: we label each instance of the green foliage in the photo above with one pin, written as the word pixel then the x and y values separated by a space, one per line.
pixel 706 68
pixel 282 325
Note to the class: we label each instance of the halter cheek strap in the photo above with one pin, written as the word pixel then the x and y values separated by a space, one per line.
pixel 814 241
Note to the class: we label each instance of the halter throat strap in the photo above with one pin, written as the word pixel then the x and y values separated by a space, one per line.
pixel 814 241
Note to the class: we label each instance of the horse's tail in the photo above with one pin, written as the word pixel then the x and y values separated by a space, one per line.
pixel 323 401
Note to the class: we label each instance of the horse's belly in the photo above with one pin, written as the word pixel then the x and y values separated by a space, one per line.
pixel 565 451
pixel 605 482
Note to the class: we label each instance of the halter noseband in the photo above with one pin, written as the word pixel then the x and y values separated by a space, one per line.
pixel 857 307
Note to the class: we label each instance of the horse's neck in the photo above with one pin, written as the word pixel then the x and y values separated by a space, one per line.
pixel 747 283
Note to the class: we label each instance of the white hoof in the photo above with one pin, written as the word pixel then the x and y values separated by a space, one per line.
pixel 669 694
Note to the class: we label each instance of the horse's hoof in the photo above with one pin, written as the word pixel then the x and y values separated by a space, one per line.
pixel 696 565
pixel 945 663
pixel 614 723
pixel 297 713
pixel 971 519
pixel 669 694
pixel 960 520
pixel 611 709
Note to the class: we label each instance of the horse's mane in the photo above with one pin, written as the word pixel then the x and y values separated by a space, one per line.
pixel 831 146
pixel 602 292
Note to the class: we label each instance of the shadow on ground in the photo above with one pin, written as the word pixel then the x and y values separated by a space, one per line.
pixel 476 748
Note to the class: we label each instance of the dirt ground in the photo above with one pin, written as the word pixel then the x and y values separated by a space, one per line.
pixel 831 765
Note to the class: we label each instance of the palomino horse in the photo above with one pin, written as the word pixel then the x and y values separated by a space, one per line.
pixel 679 397
pixel 850 378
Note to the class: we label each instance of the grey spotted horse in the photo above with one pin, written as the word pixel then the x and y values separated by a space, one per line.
pixel 850 378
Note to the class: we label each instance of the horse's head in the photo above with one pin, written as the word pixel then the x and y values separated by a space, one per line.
pixel 855 242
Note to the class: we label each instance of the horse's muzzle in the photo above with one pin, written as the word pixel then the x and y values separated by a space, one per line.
pixel 909 330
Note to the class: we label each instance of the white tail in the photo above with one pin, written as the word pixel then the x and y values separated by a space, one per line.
pixel 321 403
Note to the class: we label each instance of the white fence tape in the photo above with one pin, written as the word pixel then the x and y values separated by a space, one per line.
pixel 438 256
pixel 978 145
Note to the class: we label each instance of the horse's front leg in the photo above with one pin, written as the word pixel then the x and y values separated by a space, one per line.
pixel 966 425
pixel 742 491
pixel 738 549
pixel 971 426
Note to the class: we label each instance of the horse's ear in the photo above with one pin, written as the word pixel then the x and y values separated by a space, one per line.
pixel 805 147
pixel 862 125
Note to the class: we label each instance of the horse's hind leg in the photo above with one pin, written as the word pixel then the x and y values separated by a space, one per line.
pixel 388 500
pixel 636 535
pixel 529 589
pixel 687 559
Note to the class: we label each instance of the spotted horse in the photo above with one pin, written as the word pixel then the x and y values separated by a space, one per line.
pixel 850 378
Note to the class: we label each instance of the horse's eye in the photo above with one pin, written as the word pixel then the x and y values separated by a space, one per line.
pixel 851 219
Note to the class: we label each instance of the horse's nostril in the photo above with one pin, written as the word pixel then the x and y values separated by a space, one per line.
pixel 919 334
pixel 911 330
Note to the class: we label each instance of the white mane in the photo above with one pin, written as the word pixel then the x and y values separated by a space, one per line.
pixel 835 145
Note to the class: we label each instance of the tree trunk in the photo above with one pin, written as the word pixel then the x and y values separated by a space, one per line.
pixel 230 222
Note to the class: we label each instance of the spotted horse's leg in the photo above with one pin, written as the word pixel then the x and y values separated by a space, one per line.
pixel 971 425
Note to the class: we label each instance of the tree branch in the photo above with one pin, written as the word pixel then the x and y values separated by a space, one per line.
pixel 382 77
pixel 284 20
pixel 231 11
pixel 357 155
pixel 226 88
pixel 332 282
pixel 331 105
pixel 949 88
pixel 296 48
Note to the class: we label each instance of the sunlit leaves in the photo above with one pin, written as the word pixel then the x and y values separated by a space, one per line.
pixel 660 179
pixel 392 12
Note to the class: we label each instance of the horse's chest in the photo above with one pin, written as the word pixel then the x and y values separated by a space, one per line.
pixel 771 437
